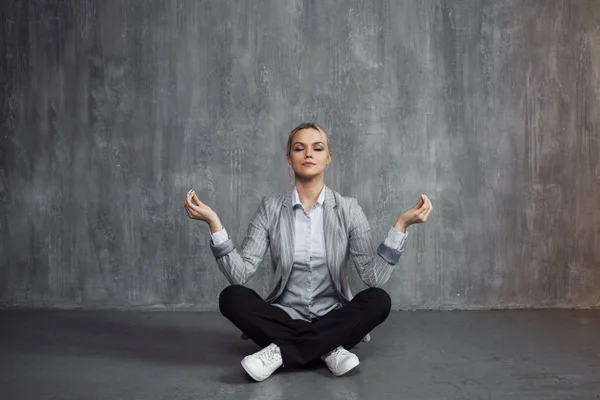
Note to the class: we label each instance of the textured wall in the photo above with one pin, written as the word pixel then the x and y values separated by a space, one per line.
pixel 112 110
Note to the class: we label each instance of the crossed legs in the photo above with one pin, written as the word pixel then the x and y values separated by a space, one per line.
pixel 302 342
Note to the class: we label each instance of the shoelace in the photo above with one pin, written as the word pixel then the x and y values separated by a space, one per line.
pixel 337 351
pixel 269 356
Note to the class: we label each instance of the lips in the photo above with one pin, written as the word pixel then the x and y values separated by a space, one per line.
pixel 308 164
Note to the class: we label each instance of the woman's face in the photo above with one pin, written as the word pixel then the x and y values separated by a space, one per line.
pixel 308 154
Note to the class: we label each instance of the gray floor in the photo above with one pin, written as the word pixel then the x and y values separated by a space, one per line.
pixel 413 355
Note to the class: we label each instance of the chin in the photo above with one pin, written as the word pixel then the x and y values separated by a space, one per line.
pixel 308 176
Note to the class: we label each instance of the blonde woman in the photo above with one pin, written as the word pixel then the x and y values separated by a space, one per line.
pixel 313 234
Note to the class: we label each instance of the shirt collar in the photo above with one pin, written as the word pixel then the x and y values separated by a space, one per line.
pixel 296 197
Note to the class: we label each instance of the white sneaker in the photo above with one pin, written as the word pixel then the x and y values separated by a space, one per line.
pixel 340 361
pixel 263 363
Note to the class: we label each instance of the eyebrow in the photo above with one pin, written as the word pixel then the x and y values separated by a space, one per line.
pixel 313 143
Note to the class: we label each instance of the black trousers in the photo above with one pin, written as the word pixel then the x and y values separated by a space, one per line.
pixel 302 342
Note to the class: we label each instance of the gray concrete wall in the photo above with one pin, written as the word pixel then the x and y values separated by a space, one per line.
pixel 112 110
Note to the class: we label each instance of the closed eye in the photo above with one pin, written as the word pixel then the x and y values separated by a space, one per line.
pixel 300 149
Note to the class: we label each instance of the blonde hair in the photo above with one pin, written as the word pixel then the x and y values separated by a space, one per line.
pixel 308 125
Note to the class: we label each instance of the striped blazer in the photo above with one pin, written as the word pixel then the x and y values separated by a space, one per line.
pixel 347 240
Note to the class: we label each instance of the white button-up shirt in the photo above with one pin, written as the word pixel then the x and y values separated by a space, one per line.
pixel 309 292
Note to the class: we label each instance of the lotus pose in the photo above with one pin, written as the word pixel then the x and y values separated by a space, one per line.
pixel 313 234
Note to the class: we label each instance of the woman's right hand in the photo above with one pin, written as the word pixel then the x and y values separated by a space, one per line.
pixel 198 210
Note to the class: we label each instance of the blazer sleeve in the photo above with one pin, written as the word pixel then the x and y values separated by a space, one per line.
pixel 374 266
pixel 238 268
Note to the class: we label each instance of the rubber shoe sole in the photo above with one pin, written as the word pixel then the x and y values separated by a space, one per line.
pixel 347 366
pixel 256 377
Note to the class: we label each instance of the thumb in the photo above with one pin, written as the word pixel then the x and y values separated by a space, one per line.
pixel 420 202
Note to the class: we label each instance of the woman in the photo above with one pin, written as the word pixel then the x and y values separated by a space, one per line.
pixel 312 231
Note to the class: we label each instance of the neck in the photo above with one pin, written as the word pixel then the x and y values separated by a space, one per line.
pixel 308 191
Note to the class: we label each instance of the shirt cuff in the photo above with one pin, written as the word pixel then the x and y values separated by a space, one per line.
pixel 395 239
pixel 219 237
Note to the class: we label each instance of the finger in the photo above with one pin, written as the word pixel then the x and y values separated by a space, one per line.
pixel 191 207
pixel 423 208
pixel 427 203
pixel 420 203
pixel 189 194
pixel 423 214
pixel 187 204
pixel 194 208
pixel 196 199
pixel 187 210
pixel 429 211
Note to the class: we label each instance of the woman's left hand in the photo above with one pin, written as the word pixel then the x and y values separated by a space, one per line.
pixel 415 215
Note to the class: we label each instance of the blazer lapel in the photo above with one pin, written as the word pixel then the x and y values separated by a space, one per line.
pixel 287 235
pixel 330 229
